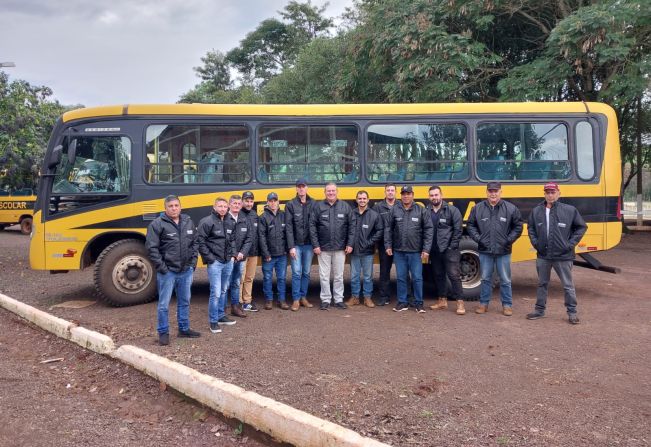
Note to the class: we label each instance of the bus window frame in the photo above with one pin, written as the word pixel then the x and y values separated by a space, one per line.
pixel 533 119
pixel 309 122
pixel 596 149
pixel 467 124
pixel 198 122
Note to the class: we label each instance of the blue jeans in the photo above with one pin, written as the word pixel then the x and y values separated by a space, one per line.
pixel 280 264
pixel 361 265
pixel 407 262
pixel 488 264
pixel 234 283
pixel 301 271
pixel 219 275
pixel 180 284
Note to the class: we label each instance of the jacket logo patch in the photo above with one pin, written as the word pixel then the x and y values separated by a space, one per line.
pixel 414 219
pixel 364 226
pixel 255 224
pixel 503 219
pixel 189 231
pixel 243 229
pixel 484 219
pixel 442 220
pixel 340 216
pixel 229 231
pixel 171 234
pixel 562 225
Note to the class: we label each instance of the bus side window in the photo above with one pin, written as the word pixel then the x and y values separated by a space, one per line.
pixel 584 151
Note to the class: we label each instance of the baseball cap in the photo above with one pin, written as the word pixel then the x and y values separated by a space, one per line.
pixel 247 195
pixel 406 190
pixel 494 185
pixel 551 186
pixel 301 181
pixel 272 196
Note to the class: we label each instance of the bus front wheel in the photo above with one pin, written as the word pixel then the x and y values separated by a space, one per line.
pixel 470 269
pixel 26 225
pixel 124 275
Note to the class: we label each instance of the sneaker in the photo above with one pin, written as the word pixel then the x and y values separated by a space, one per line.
pixel 164 339
pixel 383 302
pixel 214 328
pixel 535 315
pixel 227 321
pixel 573 318
pixel 400 307
pixel 306 303
pixel 296 305
pixel 481 309
pixel 507 311
pixel 237 311
pixel 268 305
pixel 283 305
pixel 189 334
pixel 249 307
pixel 419 309
pixel 324 306
pixel 341 305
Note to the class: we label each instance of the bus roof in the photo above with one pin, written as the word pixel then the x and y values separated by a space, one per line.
pixel 334 109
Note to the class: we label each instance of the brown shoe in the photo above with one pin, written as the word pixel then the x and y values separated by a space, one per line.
pixel 352 301
pixel 296 305
pixel 461 310
pixel 481 309
pixel 283 305
pixel 368 302
pixel 306 303
pixel 442 304
pixel 236 311
pixel 507 311
pixel 268 305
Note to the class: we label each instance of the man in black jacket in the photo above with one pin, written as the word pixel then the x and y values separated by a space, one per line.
pixel 445 256
pixel 408 238
pixel 242 236
pixel 273 248
pixel 297 213
pixel 368 231
pixel 383 208
pixel 495 225
pixel 555 228
pixel 251 263
pixel 172 246
pixel 217 249
pixel 332 237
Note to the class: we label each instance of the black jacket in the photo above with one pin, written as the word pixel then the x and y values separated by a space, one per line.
pixel 450 227
pixel 252 219
pixel 331 226
pixel 409 230
pixel 272 234
pixel 216 238
pixel 384 211
pixel 297 218
pixel 172 247
pixel 242 232
pixel 495 229
pixel 368 231
pixel 566 228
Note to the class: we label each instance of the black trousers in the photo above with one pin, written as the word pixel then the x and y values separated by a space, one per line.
pixel 446 265
pixel 386 262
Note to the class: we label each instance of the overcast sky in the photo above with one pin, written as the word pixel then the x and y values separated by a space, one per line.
pixel 124 51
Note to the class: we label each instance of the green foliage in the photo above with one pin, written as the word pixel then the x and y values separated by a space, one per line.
pixel 28 116
pixel 215 70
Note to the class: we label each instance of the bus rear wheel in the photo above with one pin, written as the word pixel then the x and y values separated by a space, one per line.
pixel 26 225
pixel 2 226
pixel 124 275
pixel 470 269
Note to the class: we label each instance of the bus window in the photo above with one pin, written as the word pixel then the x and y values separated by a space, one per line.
pixel 417 152
pixel 522 151
pixel 318 153
pixel 584 151
pixel 197 154
pixel 101 165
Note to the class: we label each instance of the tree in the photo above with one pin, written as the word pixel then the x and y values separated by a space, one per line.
pixel 28 116
pixel 215 70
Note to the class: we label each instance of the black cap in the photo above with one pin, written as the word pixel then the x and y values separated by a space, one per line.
pixel 494 185
pixel 406 190
pixel 272 196
pixel 301 181
pixel 247 195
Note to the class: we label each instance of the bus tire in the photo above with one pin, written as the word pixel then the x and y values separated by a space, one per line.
pixel 124 275
pixel 26 225
pixel 2 226
pixel 470 270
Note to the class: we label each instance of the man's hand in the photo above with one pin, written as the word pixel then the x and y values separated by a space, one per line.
pixel 267 259
pixel 389 252
pixel 424 256
pixel 317 250
pixel 239 257
pixel 348 249
pixel 292 253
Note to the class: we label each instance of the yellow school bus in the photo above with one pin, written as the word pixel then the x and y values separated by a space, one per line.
pixel 107 170
pixel 17 207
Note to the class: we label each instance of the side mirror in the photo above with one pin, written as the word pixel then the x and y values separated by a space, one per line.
pixel 55 157
pixel 72 152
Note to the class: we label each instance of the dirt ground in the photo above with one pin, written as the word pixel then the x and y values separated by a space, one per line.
pixel 405 379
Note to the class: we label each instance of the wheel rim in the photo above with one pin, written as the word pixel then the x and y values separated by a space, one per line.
pixel 470 271
pixel 26 226
pixel 132 274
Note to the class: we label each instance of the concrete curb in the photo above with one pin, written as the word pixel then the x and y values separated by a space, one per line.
pixel 281 421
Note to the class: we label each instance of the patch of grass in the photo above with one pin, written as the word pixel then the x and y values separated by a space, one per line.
pixel 240 428
pixel 503 440
pixel 426 414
